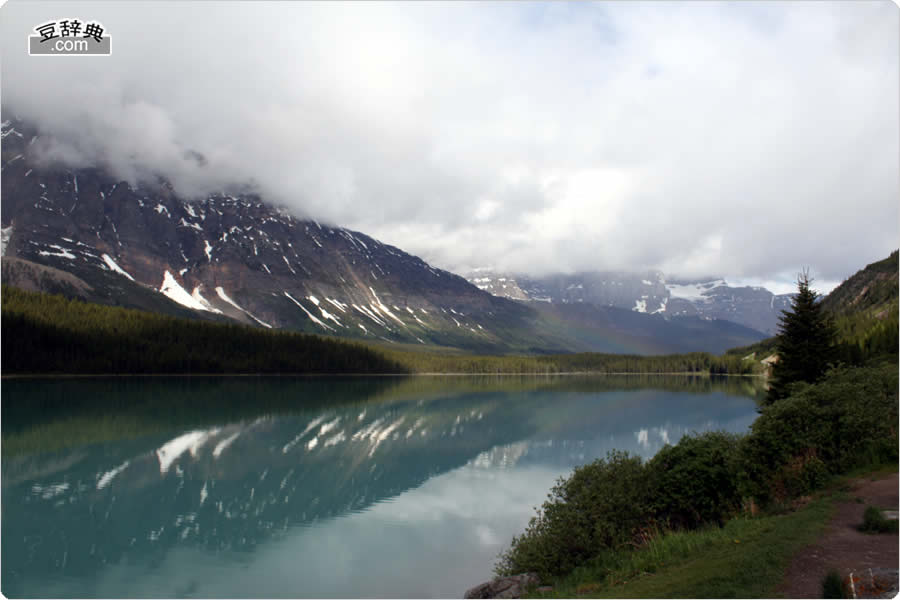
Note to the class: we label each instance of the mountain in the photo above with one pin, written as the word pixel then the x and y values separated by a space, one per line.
pixel 619 331
pixel 865 308
pixel 650 292
pixel 231 256
pixel 873 287
pixel 865 311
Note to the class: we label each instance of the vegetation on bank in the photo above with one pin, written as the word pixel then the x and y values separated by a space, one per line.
pixel 797 444
pixel 584 362
pixel 52 334
pixel 742 559
pixel 821 419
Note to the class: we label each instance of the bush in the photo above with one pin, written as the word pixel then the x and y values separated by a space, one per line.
pixel 598 508
pixel 849 419
pixel 845 421
pixel 695 481
pixel 874 522
pixel 833 585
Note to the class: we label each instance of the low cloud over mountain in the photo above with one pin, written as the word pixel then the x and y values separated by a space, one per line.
pixel 740 139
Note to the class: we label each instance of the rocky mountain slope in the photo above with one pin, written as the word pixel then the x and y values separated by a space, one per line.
pixel 865 308
pixel 650 292
pixel 231 256
pixel 872 287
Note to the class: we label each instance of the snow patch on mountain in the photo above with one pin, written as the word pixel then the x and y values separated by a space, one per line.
pixel 662 307
pixel 365 311
pixel 312 317
pixel 199 298
pixel 184 223
pixel 384 309
pixel 5 234
pixel 115 267
pixel 220 291
pixel 171 288
pixel 694 292
pixel 330 316
pixel 340 305
pixel 63 252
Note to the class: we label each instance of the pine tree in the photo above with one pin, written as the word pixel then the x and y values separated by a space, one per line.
pixel 805 342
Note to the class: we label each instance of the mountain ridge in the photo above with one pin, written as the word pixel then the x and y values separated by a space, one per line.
pixel 650 292
pixel 232 256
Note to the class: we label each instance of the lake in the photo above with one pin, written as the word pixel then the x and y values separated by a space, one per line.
pixel 317 487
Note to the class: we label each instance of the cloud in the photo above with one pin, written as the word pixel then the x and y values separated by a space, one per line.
pixel 748 140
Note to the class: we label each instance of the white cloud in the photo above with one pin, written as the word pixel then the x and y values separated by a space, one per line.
pixel 746 139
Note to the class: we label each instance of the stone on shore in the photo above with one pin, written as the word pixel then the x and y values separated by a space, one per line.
pixel 504 587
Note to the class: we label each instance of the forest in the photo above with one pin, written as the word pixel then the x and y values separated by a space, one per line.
pixel 44 334
pixel 51 334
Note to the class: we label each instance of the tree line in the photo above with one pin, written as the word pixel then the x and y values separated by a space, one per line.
pixel 45 333
pixel 583 362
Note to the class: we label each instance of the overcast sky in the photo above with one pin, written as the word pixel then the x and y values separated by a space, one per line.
pixel 743 139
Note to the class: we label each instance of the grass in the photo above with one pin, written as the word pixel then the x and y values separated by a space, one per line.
pixel 744 559
pixel 873 471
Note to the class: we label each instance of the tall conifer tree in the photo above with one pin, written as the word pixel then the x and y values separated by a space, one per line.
pixel 805 341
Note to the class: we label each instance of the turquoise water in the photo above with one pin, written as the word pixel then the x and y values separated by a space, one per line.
pixel 246 487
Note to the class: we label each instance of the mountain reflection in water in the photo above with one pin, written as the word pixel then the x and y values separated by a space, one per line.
pixel 376 487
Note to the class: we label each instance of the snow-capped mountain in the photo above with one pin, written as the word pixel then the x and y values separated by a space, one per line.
pixel 231 256
pixel 752 306
pixel 649 292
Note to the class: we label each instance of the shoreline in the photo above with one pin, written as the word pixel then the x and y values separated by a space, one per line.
pixel 434 374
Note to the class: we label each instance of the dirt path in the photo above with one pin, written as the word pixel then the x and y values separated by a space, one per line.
pixel 842 547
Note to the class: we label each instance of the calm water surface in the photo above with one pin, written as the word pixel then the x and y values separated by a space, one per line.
pixel 236 487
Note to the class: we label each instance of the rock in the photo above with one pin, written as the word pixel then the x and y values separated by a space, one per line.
pixel 504 587
pixel 872 583
pixel 544 589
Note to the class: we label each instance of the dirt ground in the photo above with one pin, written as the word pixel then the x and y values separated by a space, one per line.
pixel 841 546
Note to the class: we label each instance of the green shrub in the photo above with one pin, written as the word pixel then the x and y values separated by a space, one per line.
pixel 874 522
pixel 784 437
pixel 849 419
pixel 833 585
pixel 811 475
pixel 695 481
pixel 600 507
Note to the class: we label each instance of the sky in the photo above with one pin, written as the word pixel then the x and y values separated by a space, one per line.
pixel 747 140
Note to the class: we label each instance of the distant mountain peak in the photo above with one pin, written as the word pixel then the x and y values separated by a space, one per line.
pixel 644 292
